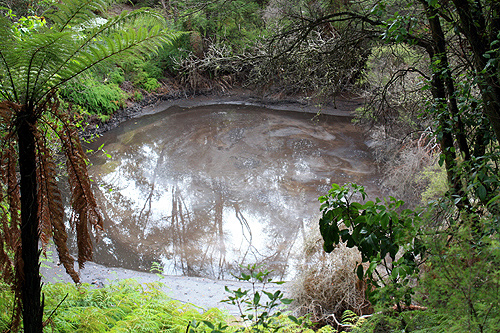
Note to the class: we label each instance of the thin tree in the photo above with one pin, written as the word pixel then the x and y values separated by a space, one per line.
pixel 32 67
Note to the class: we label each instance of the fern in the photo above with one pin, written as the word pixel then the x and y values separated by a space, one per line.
pixel 95 97
pixel 151 84
pixel 124 306
pixel 53 56
pixel 33 65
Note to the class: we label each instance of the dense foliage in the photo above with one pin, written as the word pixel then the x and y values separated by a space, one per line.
pixel 446 251
pixel 126 306
pixel 37 57
pixel 430 72
pixel 129 306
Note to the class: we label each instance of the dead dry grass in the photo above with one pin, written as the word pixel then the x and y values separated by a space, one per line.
pixel 402 162
pixel 327 282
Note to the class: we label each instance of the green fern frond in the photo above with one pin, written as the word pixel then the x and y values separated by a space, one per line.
pixel 34 66
pixel 67 14
pixel 6 35
pixel 98 47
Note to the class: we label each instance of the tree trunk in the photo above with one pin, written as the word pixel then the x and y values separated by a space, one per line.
pixel 442 91
pixel 31 284
pixel 480 35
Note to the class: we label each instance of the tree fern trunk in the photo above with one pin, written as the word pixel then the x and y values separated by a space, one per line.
pixel 31 287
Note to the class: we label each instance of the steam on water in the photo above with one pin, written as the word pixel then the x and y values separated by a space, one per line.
pixel 202 190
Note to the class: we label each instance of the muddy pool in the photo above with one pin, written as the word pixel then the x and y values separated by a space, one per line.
pixel 198 191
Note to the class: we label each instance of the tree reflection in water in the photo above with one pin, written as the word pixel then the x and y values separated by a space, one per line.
pixel 203 190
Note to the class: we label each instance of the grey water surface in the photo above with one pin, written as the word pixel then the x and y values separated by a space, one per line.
pixel 198 191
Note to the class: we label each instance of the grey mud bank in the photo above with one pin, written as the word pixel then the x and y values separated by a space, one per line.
pixel 203 293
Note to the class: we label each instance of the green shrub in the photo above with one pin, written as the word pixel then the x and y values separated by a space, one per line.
pixel 387 237
pixel 261 310
pixel 152 69
pixel 170 56
pixel 138 72
pixel 138 96
pixel 458 288
pixel 236 23
pixel 436 178
pixel 139 78
pixel 461 283
pixel 151 84
pixel 94 96
pixel 117 76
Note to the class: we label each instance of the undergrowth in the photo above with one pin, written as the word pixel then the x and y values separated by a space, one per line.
pixel 125 306
pixel 95 97
pixel 129 306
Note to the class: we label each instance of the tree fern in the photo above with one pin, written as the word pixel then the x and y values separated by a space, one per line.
pixel 32 67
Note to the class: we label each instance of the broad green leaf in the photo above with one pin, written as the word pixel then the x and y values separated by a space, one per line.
pixel 359 272
pixel 481 192
pixel 256 298
pixel 384 220
pixel 209 324
pixel 372 267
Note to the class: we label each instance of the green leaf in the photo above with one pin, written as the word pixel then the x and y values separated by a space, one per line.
pixel 481 192
pixel 360 219
pixel 209 324
pixel 268 294
pixel 245 277
pixel 384 220
pixel 372 267
pixel 496 198
pixel 256 298
pixel 359 272
pixel 239 293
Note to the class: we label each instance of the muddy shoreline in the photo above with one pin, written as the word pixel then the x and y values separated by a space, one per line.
pixel 202 293
pixel 342 106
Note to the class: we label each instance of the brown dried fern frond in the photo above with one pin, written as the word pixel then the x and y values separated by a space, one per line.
pixel 11 195
pixel 10 206
pixel 51 208
pixel 49 198
pixel 6 261
pixel 8 111
pixel 85 210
